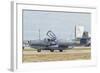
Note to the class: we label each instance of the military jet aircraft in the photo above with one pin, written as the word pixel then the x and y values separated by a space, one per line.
pixel 52 43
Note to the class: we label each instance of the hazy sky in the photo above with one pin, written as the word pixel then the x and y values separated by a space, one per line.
pixel 61 23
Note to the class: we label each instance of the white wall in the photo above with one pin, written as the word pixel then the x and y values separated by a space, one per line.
pixel 5 35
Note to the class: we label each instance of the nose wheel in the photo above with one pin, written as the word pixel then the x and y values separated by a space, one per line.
pixel 60 50
pixel 39 50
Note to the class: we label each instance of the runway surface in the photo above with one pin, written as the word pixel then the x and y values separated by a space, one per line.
pixel 46 55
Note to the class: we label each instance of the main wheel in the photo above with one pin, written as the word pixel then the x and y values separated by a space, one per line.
pixel 39 50
pixel 52 50
pixel 61 50
pixel 23 47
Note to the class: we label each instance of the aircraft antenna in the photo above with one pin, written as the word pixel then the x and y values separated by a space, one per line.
pixel 39 35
